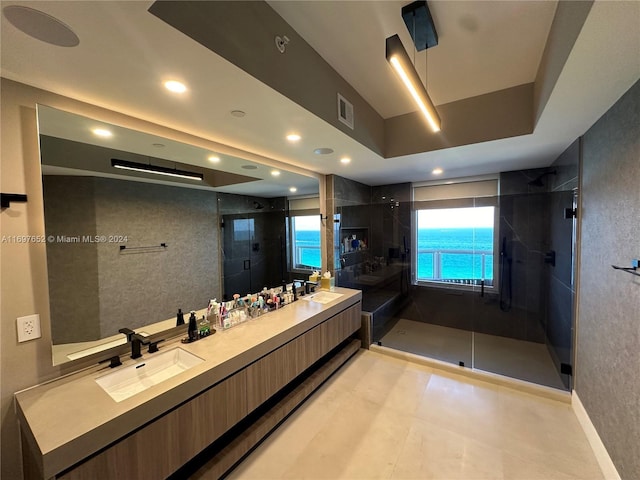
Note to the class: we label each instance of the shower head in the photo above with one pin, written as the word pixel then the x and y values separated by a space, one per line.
pixel 537 182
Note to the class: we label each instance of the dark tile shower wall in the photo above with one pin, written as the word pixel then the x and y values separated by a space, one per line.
pixel 353 208
pixel 523 244
pixel 254 243
pixel 543 290
pixel 381 217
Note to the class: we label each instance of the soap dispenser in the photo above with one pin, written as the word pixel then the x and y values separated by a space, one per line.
pixel 193 327
pixel 179 318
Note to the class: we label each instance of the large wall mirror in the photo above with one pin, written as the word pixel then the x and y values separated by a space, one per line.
pixel 139 226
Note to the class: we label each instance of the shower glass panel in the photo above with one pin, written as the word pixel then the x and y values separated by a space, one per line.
pixel 524 329
pixel 485 281
pixel 372 247
pixel 254 233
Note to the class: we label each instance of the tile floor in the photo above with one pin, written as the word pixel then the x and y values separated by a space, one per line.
pixel 527 361
pixel 380 417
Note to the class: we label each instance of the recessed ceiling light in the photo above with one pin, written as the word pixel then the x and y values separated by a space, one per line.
pixel 345 160
pixel 102 132
pixel 293 137
pixel 158 145
pixel 238 113
pixel 437 171
pixel 175 86
pixel 249 167
pixel 214 159
pixel 293 189
pixel 275 173
pixel 323 151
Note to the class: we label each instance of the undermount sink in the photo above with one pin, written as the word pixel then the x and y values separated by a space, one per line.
pixel 322 297
pixel 158 367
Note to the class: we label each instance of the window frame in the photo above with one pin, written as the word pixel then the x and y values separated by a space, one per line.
pixel 457 203
pixel 293 266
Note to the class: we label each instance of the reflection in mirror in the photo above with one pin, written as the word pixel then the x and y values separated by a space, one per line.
pixel 128 248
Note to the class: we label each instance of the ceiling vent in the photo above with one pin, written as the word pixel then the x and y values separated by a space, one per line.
pixel 345 111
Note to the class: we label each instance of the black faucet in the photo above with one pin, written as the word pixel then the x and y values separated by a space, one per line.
pixel 136 340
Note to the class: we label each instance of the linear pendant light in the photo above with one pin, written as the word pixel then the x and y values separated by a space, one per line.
pixel 401 63
pixel 142 167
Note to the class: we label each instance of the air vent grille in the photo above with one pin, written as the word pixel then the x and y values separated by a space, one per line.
pixel 345 111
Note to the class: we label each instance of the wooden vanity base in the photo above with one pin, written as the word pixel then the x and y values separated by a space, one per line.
pixel 218 427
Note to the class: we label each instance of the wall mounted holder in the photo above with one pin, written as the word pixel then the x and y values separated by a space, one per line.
pixel 148 247
pixel 631 270
pixel 7 198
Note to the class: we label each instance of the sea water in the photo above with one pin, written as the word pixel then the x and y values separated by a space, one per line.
pixel 461 252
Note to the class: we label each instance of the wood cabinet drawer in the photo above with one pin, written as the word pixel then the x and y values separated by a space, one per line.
pixel 161 447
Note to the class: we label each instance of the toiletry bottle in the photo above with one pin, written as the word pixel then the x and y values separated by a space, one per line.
pixel 193 327
pixel 179 318
pixel 204 328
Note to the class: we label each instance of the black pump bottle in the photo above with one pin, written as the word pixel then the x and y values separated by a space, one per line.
pixel 193 327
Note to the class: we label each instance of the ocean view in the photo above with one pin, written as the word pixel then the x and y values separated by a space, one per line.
pixel 307 242
pixel 443 253
pixel 455 253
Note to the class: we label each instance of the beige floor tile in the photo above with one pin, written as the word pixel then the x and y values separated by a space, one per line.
pixel 431 452
pixel 376 455
pixel 281 448
pixel 524 468
pixel 467 407
pixel 381 417
pixel 332 450
pixel 394 386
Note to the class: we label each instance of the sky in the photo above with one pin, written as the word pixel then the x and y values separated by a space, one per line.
pixel 473 217
pixel 308 222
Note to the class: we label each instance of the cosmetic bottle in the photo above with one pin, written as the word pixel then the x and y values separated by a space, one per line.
pixel 193 327
pixel 204 328
pixel 179 318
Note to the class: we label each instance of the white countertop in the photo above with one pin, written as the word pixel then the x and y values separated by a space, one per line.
pixel 73 417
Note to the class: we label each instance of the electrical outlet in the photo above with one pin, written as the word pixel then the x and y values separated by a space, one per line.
pixel 28 328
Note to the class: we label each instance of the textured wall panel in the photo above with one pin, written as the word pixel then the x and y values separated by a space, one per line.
pixel 149 286
pixel 608 345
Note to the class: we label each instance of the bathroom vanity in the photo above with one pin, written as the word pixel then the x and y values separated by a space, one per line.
pixel 249 379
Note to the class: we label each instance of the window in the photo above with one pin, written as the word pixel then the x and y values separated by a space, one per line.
pixel 305 239
pixel 454 232
pixel 455 245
